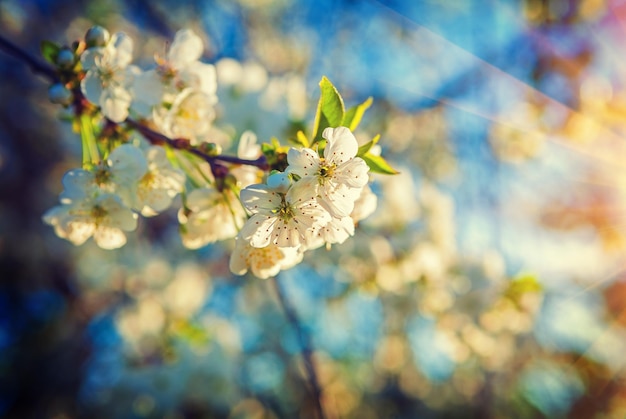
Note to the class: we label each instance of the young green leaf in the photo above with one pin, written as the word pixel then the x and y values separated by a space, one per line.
pixel 377 164
pixel 301 139
pixel 366 147
pixel 353 116
pixel 330 109
pixel 50 50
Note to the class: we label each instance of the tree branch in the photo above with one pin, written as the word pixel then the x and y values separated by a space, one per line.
pixel 36 66
pixel 306 346
pixel 39 67
pixel 156 138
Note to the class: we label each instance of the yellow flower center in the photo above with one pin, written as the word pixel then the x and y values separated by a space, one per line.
pixel 97 212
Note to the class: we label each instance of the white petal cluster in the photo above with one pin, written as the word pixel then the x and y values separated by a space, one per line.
pixel 180 93
pixel 263 262
pixel 210 215
pixel 102 216
pixel 340 175
pixel 103 201
pixel 109 76
pixel 315 202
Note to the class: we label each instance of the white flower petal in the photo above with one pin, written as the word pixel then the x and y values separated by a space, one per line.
pixel 263 262
pixel 118 215
pixel 338 230
pixel 339 201
pixel 365 205
pixel 353 173
pixel 201 198
pixel 291 257
pixel 202 77
pixel 88 57
pixel 258 230
pixel 147 91
pixel 155 201
pixel 128 164
pixel 78 231
pixel 115 102
pixel 109 238
pixel 91 86
pixel 77 184
pixel 248 147
pixel 341 145
pixel 302 191
pixel 304 162
pixel 259 198
pixel 186 48
pixel 123 47
pixel 288 234
pixel 237 263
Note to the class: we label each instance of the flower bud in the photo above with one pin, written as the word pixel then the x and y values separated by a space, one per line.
pixel 97 36
pixel 279 181
pixel 210 149
pixel 58 93
pixel 65 58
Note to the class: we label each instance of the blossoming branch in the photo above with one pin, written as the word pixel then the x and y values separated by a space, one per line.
pixel 146 138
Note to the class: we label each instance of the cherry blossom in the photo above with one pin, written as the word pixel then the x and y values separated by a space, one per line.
pixel 109 76
pixel 190 116
pixel 159 185
pixel 211 215
pixel 284 219
pixel 263 262
pixel 339 174
pixel 102 216
pixel 179 71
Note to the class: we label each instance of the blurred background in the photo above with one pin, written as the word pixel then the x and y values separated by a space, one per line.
pixel 490 282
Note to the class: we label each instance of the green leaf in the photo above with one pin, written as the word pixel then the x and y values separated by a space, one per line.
pixel 366 147
pixel 522 284
pixel 191 333
pixel 378 164
pixel 330 109
pixel 301 139
pixel 353 116
pixel 50 50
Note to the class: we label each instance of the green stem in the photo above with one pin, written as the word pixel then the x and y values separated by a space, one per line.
pixel 91 153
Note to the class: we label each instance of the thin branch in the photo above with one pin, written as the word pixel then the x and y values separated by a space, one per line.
pixel 306 345
pixel 156 138
pixel 36 66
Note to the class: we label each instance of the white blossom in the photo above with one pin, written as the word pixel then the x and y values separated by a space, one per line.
pixel 162 88
pixel 159 185
pixel 190 116
pixel 284 219
pixel 118 174
pixel 339 174
pixel 263 262
pixel 109 76
pixel 183 65
pixel 102 216
pixel 212 216
pixel 336 231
